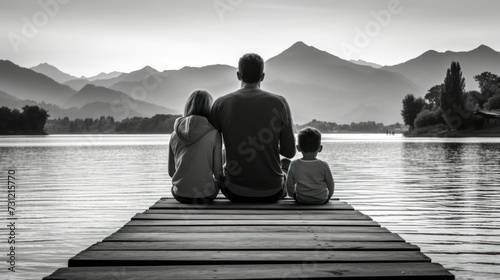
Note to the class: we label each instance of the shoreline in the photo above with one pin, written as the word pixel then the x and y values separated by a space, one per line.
pixel 441 131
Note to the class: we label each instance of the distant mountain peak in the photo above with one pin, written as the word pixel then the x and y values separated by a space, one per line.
pixel 88 87
pixel 298 47
pixel 299 44
pixel 52 72
pixel 483 48
pixel 430 52
pixel 302 54
pixel 149 69
pixel 45 65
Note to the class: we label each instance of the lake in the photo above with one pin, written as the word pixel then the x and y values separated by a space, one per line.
pixel 74 190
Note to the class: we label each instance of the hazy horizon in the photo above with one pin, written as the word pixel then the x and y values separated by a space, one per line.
pixel 233 64
pixel 90 37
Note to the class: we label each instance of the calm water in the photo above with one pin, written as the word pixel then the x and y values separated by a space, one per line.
pixel 73 191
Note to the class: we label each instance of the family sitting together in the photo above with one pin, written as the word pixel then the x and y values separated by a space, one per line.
pixel 256 128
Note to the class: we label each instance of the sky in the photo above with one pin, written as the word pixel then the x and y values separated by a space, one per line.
pixel 86 37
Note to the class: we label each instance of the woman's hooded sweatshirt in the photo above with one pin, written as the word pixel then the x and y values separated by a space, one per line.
pixel 195 157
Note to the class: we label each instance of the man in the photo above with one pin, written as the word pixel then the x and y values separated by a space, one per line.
pixel 256 126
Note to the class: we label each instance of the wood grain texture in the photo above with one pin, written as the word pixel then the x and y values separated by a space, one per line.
pixel 251 245
pixel 420 271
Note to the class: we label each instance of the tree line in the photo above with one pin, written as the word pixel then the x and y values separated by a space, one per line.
pixel 159 123
pixel 30 121
pixel 34 120
pixel 448 105
pixel 368 126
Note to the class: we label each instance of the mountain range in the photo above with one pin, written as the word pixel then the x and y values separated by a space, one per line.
pixel 429 69
pixel 317 85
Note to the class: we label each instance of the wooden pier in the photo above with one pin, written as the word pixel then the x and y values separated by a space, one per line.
pixel 251 241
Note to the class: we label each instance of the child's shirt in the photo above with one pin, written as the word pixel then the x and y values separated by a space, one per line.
pixel 310 180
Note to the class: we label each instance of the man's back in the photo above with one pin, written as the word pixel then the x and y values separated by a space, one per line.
pixel 256 127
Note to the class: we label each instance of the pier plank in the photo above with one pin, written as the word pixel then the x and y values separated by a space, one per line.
pixel 423 271
pixel 348 215
pixel 226 204
pixel 347 223
pixel 263 228
pixel 255 236
pixel 252 245
pixel 148 258
pixel 243 212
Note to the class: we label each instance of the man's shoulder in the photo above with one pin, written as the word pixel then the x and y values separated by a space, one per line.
pixel 272 95
pixel 241 94
pixel 225 97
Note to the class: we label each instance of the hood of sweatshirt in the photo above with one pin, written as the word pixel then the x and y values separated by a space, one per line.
pixel 190 129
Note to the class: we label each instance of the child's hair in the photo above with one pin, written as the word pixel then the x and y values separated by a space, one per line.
pixel 198 103
pixel 309 139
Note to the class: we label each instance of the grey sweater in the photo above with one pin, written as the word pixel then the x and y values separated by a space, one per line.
pixel 195 157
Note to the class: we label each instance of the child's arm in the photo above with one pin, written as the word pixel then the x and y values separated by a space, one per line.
pixel 290 181
pixel 329 180
pixel 171 161
pixel 217 164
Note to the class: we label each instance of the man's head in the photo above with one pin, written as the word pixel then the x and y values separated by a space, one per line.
pixel 251 68
pixel 309 141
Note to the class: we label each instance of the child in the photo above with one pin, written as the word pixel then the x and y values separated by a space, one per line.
pixel 195 153
pixel 309 179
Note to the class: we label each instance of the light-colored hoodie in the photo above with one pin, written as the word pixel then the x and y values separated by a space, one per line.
pixel 195 157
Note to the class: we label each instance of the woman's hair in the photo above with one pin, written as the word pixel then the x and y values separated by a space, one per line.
pixel 198 103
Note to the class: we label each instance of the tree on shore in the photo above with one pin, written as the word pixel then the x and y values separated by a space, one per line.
pixel 433 96
pixel 452 97
pixel 493 103
pixel 489 85
pixel 411 107
pixel 31 121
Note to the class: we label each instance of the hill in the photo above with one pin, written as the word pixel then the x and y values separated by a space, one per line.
pixel 429 69
pixel 25 83
pixel 52 72
pixel 104 101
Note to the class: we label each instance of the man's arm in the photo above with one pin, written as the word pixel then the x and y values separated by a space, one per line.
pixel 171 161
pixel 213 118
pixel 329 179
pixel 287 138
pixel 217 164
pixel 290 181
